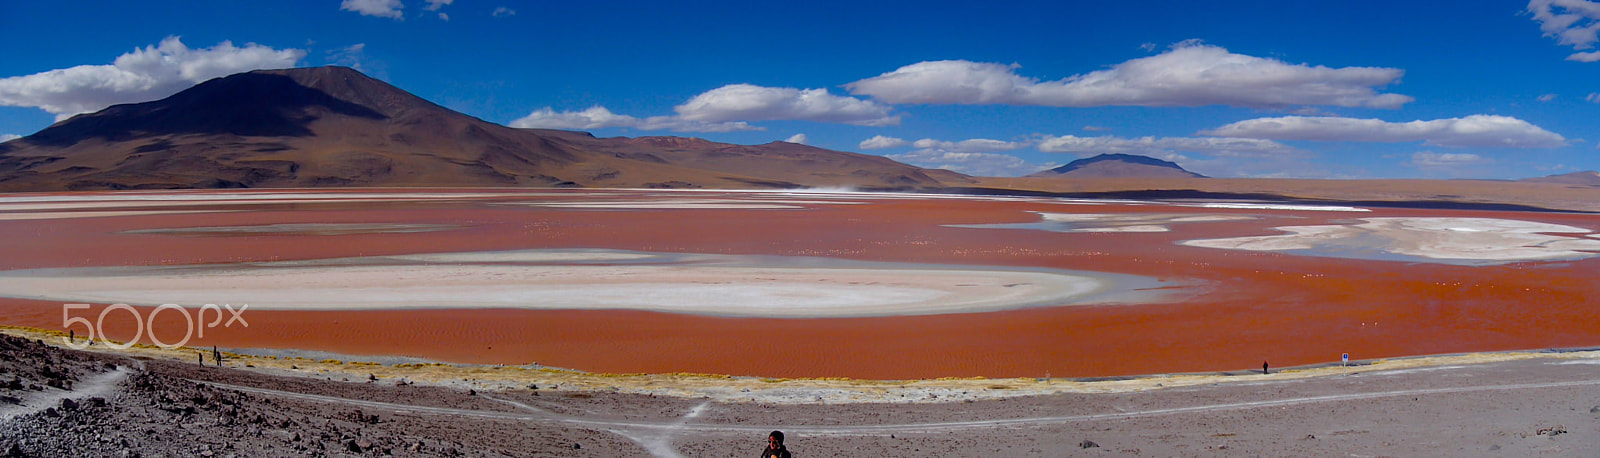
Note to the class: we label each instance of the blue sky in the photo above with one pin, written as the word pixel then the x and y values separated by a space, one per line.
pixel 1232 89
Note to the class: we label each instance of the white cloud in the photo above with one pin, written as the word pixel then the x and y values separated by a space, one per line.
pixel 1593 97
pixel 978 164
pixel 1585 56
pixel 1429 159
pixel 596 117
pixel 146 74
pixel 599 117
pixel 1571 22
pixel 377 8
pixel 503 11
pixel 973 157
pixel 8 137
pixel 1546 97
pixel 1475 130
pixel 434 5
pixel 1190 74
pixel 882 142
pixel 351 56
pixel 969 146
pixel 1096 128
pixel 1451 165
pixel 799 139
pixel 1164 147
pixel 746 102
pixel 725 109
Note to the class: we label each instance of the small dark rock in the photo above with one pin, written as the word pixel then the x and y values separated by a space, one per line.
pixel 353 446
pixel 1087 444
pixel 69 404
pixel 576 446
pixel 51 412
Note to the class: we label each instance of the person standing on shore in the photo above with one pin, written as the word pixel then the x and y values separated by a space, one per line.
pixel 1263 367
pixel 775 448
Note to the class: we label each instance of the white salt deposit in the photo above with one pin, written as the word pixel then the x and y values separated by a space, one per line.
pixel 26 216
pixel 1443 238
pixel 705 284
pixel 1134 222
pixel 1250 206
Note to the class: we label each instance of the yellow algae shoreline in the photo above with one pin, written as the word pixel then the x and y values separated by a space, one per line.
pixel 818 390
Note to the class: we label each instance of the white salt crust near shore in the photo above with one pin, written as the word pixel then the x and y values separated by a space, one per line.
pixel 1443 238
pixel 1134 222
pixel 482 280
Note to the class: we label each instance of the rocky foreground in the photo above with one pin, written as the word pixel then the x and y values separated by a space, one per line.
pixel 61 402
pixel 156 410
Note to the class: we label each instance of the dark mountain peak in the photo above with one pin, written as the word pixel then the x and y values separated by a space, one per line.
pixel 333 126
pixel 272 103
pixel 1119 165
pixel 349 85
pixel 1129 158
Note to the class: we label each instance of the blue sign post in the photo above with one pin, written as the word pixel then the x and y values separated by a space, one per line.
pixel 1346 358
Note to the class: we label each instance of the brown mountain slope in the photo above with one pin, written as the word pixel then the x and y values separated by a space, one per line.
pixel 1584 178
pixel 777 161
pixel 333 126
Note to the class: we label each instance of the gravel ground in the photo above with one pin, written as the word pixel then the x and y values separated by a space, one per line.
pixel 72 403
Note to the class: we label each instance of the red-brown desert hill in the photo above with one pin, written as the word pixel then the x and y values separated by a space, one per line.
pixel 1584 178
pixel 1119 166
pixel 335 127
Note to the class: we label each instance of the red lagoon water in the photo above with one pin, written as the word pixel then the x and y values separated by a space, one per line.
pixel 1240 308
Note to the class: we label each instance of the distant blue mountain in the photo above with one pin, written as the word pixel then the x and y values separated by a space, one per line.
pixel 1119 166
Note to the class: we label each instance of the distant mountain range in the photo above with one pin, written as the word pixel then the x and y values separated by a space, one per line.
pixel 1584 178
pixel 333 126
pixel 1118 166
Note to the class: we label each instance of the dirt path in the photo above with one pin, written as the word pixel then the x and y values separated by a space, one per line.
pixel 657 431
pixel 99 385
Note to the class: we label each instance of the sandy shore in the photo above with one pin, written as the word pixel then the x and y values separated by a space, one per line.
pixel 169 406
pixel 803 391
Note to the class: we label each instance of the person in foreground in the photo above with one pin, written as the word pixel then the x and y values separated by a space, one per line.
pixel 775 447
